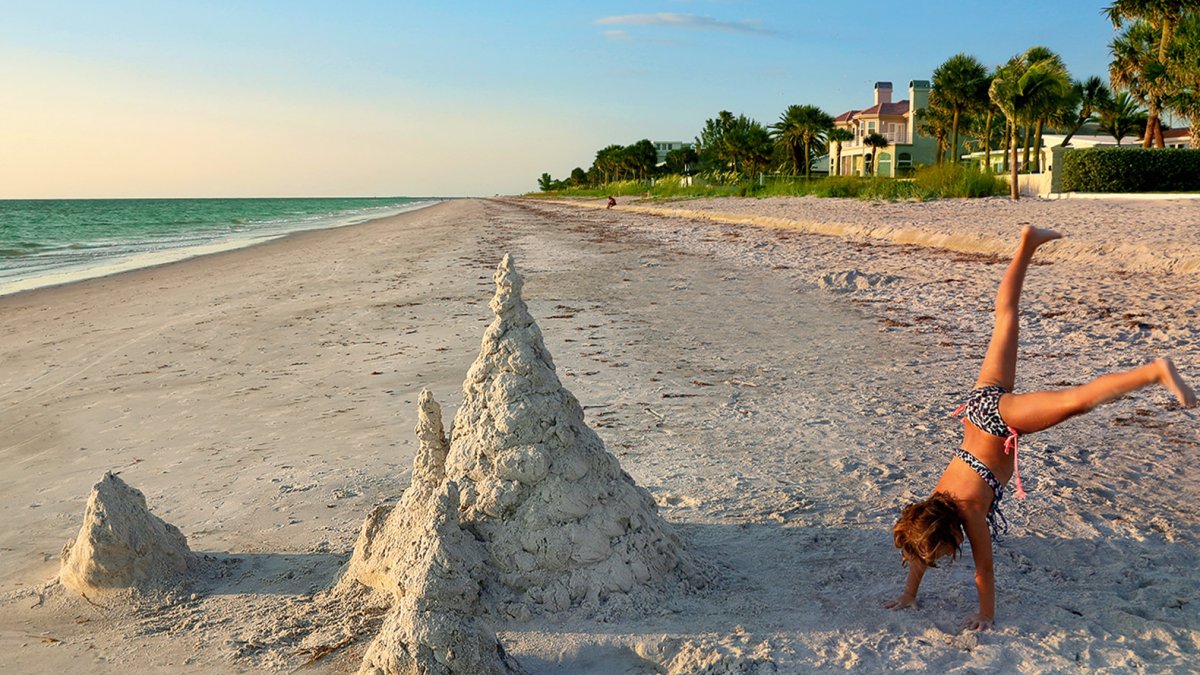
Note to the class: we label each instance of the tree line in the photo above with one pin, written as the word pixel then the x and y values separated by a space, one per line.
pixel 1154 69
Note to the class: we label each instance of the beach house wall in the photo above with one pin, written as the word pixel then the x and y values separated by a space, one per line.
pixel 894 120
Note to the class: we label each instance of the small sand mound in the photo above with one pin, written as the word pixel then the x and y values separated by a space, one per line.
pixel 122 547
pixel 563 525
pixel 436 628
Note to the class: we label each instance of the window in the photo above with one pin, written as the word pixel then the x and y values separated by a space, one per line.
pixel 904 160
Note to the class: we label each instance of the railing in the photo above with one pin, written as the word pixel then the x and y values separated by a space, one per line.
pixel 894 139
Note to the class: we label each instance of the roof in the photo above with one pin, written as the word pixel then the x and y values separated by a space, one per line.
pixel 897 109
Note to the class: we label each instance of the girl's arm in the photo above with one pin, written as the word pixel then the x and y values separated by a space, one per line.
pixel 985 579
pixel 916 570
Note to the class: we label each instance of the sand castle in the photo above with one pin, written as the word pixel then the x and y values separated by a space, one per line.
pixel 123 548
pixel 523 511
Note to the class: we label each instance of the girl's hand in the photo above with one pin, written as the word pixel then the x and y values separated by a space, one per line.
pixel 902 601
pixel 977 621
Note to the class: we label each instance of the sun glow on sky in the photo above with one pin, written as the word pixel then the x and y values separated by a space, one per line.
pixel 306 98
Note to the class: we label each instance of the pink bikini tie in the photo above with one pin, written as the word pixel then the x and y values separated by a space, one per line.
pixel 1010 443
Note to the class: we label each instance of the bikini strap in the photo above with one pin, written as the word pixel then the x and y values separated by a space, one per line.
pixel 997 522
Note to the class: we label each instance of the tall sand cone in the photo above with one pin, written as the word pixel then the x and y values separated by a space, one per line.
pixel 122 547
pixel 435 628
pixel 563 525
pixel 383 554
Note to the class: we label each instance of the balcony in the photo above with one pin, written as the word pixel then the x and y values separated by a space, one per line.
pixel 893 138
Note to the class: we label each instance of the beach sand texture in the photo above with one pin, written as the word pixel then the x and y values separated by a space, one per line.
pixel 777 373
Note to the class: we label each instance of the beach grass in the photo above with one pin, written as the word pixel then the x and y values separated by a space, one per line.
pixel 933 182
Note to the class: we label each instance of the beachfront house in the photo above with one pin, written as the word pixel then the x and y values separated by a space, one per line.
pixel 664 147
pixel 894 120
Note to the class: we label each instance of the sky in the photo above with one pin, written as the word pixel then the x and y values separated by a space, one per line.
pixel 296 98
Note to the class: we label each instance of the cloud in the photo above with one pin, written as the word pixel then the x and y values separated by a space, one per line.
pixel 617 35
pixel 752 26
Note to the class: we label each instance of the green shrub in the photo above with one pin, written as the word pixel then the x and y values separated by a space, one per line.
pixel 1131 170
pixel 957 180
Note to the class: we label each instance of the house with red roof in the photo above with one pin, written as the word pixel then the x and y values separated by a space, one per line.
pixel 894 120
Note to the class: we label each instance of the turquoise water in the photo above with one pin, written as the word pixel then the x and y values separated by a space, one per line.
pixel 51 241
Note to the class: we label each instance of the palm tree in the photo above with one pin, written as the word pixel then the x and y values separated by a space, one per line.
pixel 1022 94
pixel 986 135
pixel 877 142
pixel 1048 103
pixel 1137 67
pixel 961 85
pixel 1184 67
pixel 1161 15
pixel 1125 117
pixel 1093 97
pixel 837 136
pixel 801 127
pixel 936 121
pixel 608 162
pixel 991 109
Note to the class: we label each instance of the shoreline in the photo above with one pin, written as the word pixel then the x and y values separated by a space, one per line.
pixel 758 382
pixel 147 260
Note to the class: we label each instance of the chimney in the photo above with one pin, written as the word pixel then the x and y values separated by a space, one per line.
pixel 883 92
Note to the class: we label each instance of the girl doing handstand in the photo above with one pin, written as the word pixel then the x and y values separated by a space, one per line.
pixel 966 500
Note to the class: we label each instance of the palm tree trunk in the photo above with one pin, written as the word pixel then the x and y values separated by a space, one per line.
pixel 1194 132
pixel 1009 134
pixel 954 138
pixel 1037 148
pixel 1066 141
pixel 1013 191
pixel 1025 156
pixel 807 163
pixel 987 141
pixel 1153 124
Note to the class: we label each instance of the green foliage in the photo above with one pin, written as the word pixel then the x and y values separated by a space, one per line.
pixel 1131 170
pixel 801 132
pixel 949 180
pixel 960 86
pixel 682 160
pixel 737 144
pixel 1123 118
pixel 941 182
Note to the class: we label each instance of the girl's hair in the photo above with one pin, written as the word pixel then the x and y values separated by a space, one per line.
pixel 927 528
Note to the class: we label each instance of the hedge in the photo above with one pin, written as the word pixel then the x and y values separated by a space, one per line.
pixel 1131 170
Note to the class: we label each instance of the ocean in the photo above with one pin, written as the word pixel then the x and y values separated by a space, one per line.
pixel 46 242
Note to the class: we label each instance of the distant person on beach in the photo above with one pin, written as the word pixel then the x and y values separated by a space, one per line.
pixel 966 501
pixel 611 202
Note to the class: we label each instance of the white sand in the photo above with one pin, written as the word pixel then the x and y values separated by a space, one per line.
pixel 781 394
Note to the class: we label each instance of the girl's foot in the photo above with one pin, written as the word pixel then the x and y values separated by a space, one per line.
pixel 1036 236
pixel 1169 377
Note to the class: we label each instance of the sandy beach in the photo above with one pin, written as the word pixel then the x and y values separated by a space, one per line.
pixel 777 373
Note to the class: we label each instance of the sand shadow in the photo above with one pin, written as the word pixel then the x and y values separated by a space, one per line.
pixel 818 579
pixel 272 573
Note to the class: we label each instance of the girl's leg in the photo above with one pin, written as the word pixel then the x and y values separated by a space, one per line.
pixel 1000 363
pixel 1039 410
